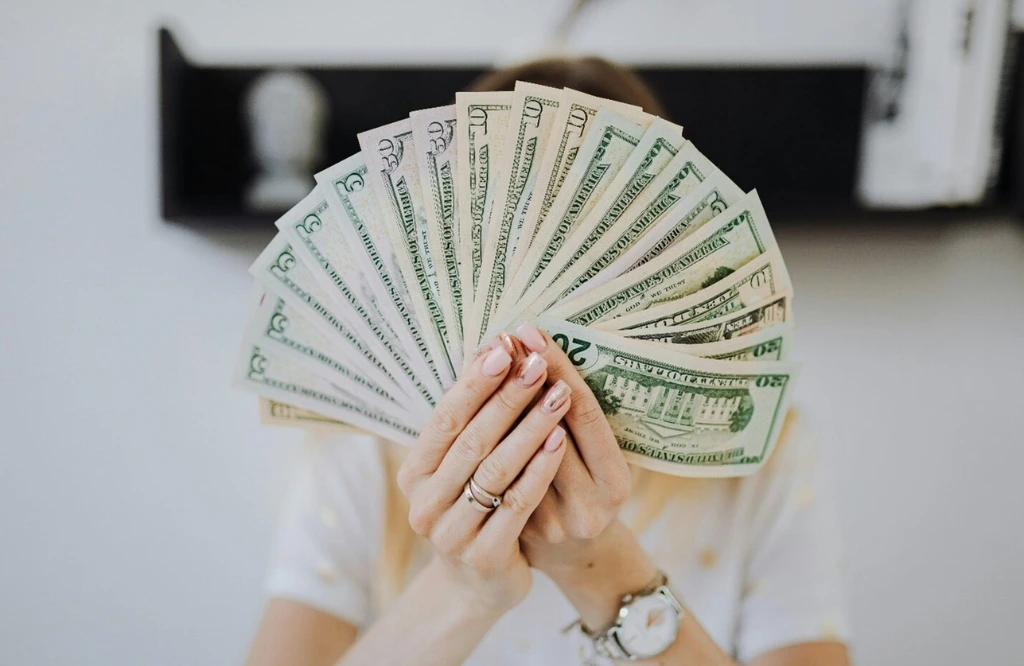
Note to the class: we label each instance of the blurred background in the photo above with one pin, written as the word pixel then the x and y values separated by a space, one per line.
pixel 138 493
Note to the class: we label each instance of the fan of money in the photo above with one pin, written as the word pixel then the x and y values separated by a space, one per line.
pixel 655 273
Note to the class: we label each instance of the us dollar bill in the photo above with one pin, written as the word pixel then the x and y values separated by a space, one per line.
pixel 757 317
pixel 317 241
pixel 606 148
pixel 389 154
pixel 276 325
pixel 656 149
pixel 352 200
pixel 533 110
pixel 277 413
pixel 718 248
pixel 769 344
pixel 644 202
pixel 481 120
pixel 270 375
pixel 709 198
pixel 572 123
pixel 282 274
pixel 759 279
pixel 434 138
pixel 681 414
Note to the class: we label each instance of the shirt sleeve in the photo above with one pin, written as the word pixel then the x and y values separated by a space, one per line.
pixel 330 528
pixel 793 587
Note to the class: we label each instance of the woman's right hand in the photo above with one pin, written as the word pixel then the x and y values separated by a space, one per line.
pixel 479 430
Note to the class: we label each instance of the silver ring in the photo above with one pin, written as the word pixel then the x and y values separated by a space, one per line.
pixel 483 496
pixel 467 492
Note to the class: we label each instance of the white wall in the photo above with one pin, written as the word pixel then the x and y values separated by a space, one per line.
pixel 137 493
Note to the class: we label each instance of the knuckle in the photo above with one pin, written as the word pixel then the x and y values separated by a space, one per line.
pixel 470 446
pixel 445 542
pixel 492 474
pixel 619 488
pixel 480 560
pixel 421 519
pixel 589 412
pixel 516 500
pixel 446 421
pixel 507 400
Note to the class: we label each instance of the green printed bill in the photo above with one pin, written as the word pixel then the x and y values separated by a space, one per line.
pixel 608 145
pixel 276 377
pixel 676 413
pixel 276 413
pixel 394 178
pixel 533 111
pixel 316 240
pixel 481 121
pixel 718 248
pixel 434 138
pixel 657 148
pixel 572 123
pixel 767 313
pixel 759 279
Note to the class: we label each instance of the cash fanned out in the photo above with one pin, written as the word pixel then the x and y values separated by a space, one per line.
pixel 658 276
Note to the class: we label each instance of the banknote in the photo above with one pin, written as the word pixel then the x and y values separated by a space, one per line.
pixel 718 248
pixel 481 120
pixel 606 148
pixel 758 279
pixel 768 344
pixel 433 133
pixel 676 413
pixel 646 199
pixel 389 155
pixel 270 375
pixel 354 206
pixel 572 123
pixel 709 198
pixel 317 242
pixel 277 413
pixel 767 313
pixel 656 149
pixel 533 110
pixel 276 325
pixel 283 275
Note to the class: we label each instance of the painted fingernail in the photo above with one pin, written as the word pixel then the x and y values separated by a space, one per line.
pixel 532 370
pixel 531 337
pixel 556 396
pixel 555 439
pixel 505 340
pixel 496 362
pixel 483 349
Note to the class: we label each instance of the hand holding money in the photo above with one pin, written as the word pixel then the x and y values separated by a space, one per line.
pixel 658 278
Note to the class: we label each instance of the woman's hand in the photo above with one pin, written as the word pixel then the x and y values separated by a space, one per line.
pixel 479 430
pixel 592 482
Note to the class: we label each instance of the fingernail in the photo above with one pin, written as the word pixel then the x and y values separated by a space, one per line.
pixel 532 370
pixel 483 349
pixel 506 342
pixel 555 439
pixel 496 362
pixel 556 396
pixel 531 337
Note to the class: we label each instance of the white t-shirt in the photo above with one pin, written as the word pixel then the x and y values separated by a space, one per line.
pixel 758 561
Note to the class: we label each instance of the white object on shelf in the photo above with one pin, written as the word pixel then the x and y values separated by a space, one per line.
pixel 286 113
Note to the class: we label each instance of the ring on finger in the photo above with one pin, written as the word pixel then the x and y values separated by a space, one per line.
pixel 482 496
pixel 467 492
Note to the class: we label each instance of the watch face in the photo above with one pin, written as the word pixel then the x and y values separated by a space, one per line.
pixel 650 625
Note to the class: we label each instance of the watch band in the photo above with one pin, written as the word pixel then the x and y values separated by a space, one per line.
pixel 606 642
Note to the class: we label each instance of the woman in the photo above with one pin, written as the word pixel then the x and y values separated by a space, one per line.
pixel 534 535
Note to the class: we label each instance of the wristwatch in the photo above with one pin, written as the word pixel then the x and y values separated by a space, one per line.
pixel 647 624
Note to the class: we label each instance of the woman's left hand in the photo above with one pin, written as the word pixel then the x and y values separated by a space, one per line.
pixel 592 482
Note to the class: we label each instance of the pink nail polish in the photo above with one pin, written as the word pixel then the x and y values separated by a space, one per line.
pixel 556 397
pixel 555 439
pixel 505 340
pixel 531 337
pixel 496 362
pixel 532 370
